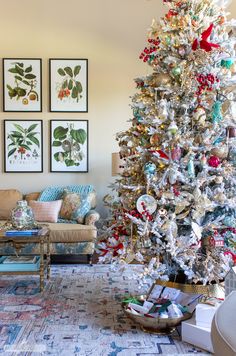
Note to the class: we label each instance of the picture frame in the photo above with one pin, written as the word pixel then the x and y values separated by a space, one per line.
pixel 69 146
pixel 23 146
pixel 22 84
pixel 68 85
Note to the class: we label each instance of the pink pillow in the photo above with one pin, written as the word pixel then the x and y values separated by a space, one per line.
pixel 46 211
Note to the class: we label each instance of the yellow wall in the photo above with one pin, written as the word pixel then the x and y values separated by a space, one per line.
pixel 111 34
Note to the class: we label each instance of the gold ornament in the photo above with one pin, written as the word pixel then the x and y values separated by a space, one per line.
pixel 160 79
pixel 221 152
pixel 233 68
pixel 155 139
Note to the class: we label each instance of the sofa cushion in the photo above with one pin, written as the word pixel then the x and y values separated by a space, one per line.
pixel 71 233
pixel 47 211
pixel 56 192
pixel 32 196
pixel 8 200
pixel 75 206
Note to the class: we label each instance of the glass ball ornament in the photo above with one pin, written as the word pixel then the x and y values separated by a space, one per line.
pixel 173 128
pixel 146 203
pixel 176 153
pixel 176 71
pixel 149 168
pixel 214 161
pixel 221 151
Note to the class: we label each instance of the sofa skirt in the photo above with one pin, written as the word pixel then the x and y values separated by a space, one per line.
pixel 81 248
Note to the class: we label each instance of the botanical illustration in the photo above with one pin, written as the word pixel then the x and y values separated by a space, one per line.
pixel 22 84
pixel 23 145
pixel 70 87
pixel 69 143
pixel 25 82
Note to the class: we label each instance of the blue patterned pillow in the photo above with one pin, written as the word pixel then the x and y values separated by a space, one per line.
pixel 56 192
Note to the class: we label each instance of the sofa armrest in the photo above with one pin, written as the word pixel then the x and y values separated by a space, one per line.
pixel 91 217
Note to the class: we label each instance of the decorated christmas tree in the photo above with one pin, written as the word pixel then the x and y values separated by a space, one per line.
pixel 174 210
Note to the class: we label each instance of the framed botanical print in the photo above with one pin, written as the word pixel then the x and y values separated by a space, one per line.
pixel 22 84
pixel 69 146
pixel 68 85
pixel 23 146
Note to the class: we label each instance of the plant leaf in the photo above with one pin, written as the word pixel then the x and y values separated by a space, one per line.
pixel 30 76
pixel 57 154
pixel 28 69
pixel 19 70
pixel 18 78
pixel 20 64
pixel 12 70
pixel 34 140
pixel 68 71
pixel 79 135
pixel 29 143
pixel 56 143
pixel 32 127
pixel 9 87
pixel 65 84
pixel 59 132
pixel 79 87
pixel 25 82
pixel 16 134
pixel 75 93
pixel 61 72
pixel 10 153
pixel 69 162
pixel 70 85
pixel 77 70
pixel 19 128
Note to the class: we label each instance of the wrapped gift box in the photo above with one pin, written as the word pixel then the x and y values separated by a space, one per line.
pixel 205 314
pixel 196 335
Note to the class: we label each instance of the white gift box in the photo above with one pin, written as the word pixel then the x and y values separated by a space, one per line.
pixel 196 335
pixel 205 314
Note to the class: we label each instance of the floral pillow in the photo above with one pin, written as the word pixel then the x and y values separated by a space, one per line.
pixel 75 206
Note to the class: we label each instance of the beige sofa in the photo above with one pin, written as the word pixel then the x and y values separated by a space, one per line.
pixel 66 238
pixel 223 329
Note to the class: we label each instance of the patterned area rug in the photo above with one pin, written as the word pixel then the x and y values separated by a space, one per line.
pixel 79 313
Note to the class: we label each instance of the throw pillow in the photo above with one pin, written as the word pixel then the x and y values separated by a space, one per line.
pixel 75 206
pixel 47 211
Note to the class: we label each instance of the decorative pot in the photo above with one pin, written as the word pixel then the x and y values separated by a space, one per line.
pixel 22 216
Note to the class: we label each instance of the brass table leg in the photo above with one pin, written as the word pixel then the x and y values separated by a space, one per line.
pixel 41 272
pixel 48 258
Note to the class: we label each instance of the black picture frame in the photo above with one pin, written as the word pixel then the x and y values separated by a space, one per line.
pixel 68 85
pixel 22 84
pixel 69 151
pixel 21 158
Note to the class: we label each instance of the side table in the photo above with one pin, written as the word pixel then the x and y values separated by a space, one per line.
pixel 18 242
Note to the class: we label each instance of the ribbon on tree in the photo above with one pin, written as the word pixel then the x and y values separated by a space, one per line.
pixel 203 43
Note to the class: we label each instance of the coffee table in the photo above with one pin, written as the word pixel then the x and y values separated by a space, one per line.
pixel 18 242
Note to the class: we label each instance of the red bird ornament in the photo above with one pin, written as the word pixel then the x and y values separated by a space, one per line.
pixel 203 43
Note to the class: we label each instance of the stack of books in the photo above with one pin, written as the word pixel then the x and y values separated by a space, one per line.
pixel 32 232
pixel 19 259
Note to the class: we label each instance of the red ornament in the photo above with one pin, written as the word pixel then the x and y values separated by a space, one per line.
pixel 214 161
pixel 203 43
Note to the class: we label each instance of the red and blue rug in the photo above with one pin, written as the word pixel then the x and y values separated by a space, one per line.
pixel 79 313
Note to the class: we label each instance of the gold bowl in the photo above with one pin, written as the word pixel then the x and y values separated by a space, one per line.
pixel 161 326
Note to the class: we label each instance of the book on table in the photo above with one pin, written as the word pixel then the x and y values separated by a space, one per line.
pixel 32 232
pixel 19 259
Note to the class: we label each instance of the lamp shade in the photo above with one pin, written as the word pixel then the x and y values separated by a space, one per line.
pixel 117 164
